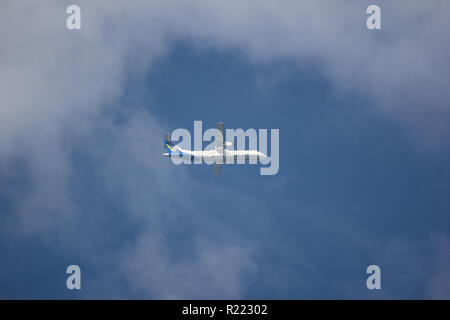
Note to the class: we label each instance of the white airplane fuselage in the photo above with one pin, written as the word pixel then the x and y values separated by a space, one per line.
pixel 225 156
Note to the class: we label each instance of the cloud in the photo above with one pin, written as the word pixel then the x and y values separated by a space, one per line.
pixel 401 70
pixel 439 283
pixel 216 271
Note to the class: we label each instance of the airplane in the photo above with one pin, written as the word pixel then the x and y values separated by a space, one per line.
pixel 220 155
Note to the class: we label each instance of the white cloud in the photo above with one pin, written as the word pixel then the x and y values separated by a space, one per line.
pixel 216 271
pixel 439 283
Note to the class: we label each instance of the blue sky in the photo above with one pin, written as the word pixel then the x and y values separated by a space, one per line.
pixel 364 161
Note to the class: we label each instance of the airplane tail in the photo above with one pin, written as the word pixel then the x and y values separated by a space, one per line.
pixel 169 145
pixel 168 140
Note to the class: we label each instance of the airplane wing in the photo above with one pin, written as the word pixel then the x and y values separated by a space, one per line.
pixel 219 142
pixel 217 169
pixel 219 145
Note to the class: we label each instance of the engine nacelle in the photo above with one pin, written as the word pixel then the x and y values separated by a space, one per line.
pixel 174 154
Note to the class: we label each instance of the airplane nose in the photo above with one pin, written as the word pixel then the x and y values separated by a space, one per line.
pixel 263 156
